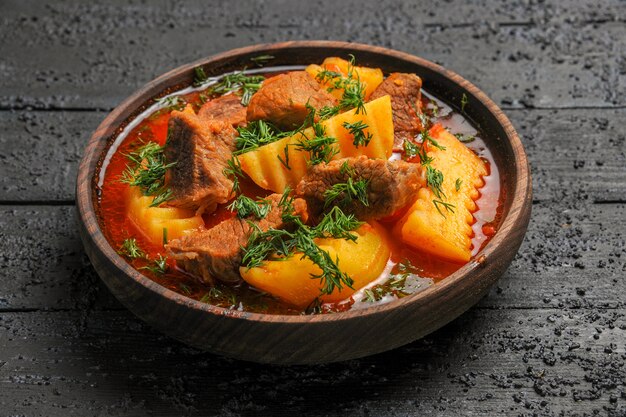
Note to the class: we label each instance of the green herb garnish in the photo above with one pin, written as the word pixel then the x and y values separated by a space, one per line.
pixel 465 138
pixel 184 288
pixel 457 184
pixel 131 249
pixel 146 170
pixel 172 103
pixel 255 134
pixel 261 60
pixel 233 171
pixel 245 206
pixel 394 285
pixel 283 243
pixel 353 96
pixel 449 207
pixel 320 147
pixel 464 101
pixel 348 191
pixel 238 83
pixel 157 266
pixel 434 179
pixel 199 76
pixel 356 130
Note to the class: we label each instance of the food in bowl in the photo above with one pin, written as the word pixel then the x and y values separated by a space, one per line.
pixel 299 190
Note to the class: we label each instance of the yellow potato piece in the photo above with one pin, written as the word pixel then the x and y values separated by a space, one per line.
pixel 153 220
pixel 369 77
pixel 291 281
pixel 265 168
pixel 423 227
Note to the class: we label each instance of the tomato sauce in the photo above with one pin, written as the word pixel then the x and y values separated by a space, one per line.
pixel 425 269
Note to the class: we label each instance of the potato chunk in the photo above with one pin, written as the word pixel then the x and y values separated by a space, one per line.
pixel 153 221
pixel 369 77
pixel 291 281
pixel 434 229
pixel 264 165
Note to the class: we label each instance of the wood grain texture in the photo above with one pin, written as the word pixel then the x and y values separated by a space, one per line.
pixel 486 363
pixel 553 54
pixel 515 361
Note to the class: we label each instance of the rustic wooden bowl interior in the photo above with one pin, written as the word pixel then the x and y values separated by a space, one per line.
pixel 315 338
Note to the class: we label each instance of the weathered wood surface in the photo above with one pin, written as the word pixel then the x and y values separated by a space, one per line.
pixel 548 340
pixel 488 362
pixel 540 55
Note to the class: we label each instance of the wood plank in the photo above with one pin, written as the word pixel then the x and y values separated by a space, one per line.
pixel 548 55
pixel 487 362
pixel 576 155
pixel 572 257
pixel 43 264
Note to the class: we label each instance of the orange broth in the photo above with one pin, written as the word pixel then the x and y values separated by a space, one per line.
pixel 426 269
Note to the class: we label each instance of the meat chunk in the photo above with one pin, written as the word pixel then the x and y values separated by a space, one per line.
pixel 282 99
pixel 200 151
pixel 405 93
pixel 216 253
pixel 226 109
pixel 391 185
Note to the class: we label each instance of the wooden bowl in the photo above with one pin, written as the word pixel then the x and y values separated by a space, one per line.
pixel 313 338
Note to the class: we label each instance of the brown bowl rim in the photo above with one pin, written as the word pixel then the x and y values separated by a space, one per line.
pixel 520 195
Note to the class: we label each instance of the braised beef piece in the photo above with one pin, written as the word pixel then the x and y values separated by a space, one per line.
pixel 405 92
pixel 201 150
pixel 216 253
pixel 282 99
pixel 391 185
pixel 226 108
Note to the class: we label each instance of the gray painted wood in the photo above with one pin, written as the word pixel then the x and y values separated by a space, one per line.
pixel 487 362
pixel 548 340
pixel 540 55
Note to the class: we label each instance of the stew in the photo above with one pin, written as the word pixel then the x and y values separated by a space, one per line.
pixel 299 190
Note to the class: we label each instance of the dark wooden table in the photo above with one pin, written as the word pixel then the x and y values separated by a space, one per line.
pixel 550 339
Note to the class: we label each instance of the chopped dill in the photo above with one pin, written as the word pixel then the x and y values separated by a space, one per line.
pixel 199 76
pixel 346 192
pixel 426 138
pixel 245 206
pixel 464 101
pixel 395 285
pixel 353 96
pixel 146 170
pixel 157 266
pixel 457 184
pixel 465 138
pixel 356 129
pixel 434 179
pixel 261 60
pixel 238 83
pixel 172 103
pixel 285 160
pixel 283 243
pixel 346 169
pixel 255 134
pixel 184 288
pixel 449 207
pixel 131 249
pixel 320 147
pixel 233 171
